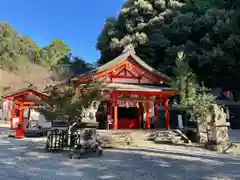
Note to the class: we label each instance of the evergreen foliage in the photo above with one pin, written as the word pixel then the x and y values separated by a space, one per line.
pixel 24 62
pixel 195 98
pixel 208 31
pixel 72 102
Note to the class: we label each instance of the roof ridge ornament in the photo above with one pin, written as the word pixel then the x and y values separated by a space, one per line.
pixel 129 49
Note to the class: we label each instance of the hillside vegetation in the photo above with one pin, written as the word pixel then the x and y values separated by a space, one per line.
pixel 23 62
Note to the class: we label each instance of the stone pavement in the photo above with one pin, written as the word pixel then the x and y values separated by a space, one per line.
pixel 23 160
pixel 4 123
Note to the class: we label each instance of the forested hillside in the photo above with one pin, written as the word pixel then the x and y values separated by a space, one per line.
pixel 208 31
pixel 23 62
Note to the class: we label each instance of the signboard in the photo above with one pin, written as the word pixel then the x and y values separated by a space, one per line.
pixel 127 104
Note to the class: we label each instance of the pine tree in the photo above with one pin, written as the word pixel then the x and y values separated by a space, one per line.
pixel 75 104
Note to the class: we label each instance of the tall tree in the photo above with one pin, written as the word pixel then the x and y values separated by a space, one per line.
pixel 30 49
pixel 9 46
pixel 79 66
pixel 197 105
pixel 55 51
pixel 184 79
pixel 207 31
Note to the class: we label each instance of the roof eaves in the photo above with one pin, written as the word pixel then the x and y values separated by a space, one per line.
pixel 113 62
pixel 9 94
pixel 153 70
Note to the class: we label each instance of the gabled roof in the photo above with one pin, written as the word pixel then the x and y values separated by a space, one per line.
pixel 123 57
pixel 23 91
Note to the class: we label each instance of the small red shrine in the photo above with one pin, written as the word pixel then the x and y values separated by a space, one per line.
pixel 130 81
pixel 19 101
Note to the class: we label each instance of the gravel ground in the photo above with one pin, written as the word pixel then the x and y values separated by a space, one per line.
pixel 20 161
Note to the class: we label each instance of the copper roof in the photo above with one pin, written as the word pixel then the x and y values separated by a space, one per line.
pixel 122 58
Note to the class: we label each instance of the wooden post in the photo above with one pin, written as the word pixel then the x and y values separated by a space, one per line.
pixel 167 114
pixel 147 115
pixel 156 111
pixel 20 131
pixel 115 121
pixel 111 109
pixel 21 113
pixel 110 117
pixel 12 114
pixel 140 118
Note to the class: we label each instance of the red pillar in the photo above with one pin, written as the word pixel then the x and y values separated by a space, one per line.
pixel 12 114
pixel 115 118
pixel 156 111
pixel 20 131
pixel 147 115
pixel 140 115
pixel 167 114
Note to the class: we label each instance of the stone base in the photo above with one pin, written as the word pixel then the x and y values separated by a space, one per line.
pixel 221 148
pixel 202 138
pixel 82 150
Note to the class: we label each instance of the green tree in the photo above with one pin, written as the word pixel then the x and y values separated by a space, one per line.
pixel 30 49
pixel 17 50
pixel 76 104
pixel 207 31
pixel 9 46
pixel 194 98
pixel 184 79
pixel 54 52
pixel 79 66
pixel 31 64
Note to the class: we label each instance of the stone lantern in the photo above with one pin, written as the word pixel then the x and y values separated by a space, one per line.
pixel 219 130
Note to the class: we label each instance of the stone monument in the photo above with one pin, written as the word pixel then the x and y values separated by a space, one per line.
pixel 84 135
pixel 219 130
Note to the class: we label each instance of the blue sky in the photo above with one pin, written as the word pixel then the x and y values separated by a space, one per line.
pixel 77 22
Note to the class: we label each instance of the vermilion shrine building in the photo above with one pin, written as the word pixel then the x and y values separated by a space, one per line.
pixel 21 100
pixel 130 82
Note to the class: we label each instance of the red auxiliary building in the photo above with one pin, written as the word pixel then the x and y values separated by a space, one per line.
pixel 20 100
pixel 130 82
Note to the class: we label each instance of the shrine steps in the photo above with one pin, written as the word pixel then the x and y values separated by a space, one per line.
pixel 111 139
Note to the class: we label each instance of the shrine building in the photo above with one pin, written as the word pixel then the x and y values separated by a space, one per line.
pixel 21 104
pixel 134 91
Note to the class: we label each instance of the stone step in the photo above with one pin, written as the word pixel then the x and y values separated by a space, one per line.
pixel 117 138
pixel 177 140
pixel 182 135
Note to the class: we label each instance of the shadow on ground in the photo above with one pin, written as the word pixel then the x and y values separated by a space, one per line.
pixel 19 160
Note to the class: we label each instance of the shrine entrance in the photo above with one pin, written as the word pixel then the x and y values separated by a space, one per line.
pixel 128 118
pixel 143 111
